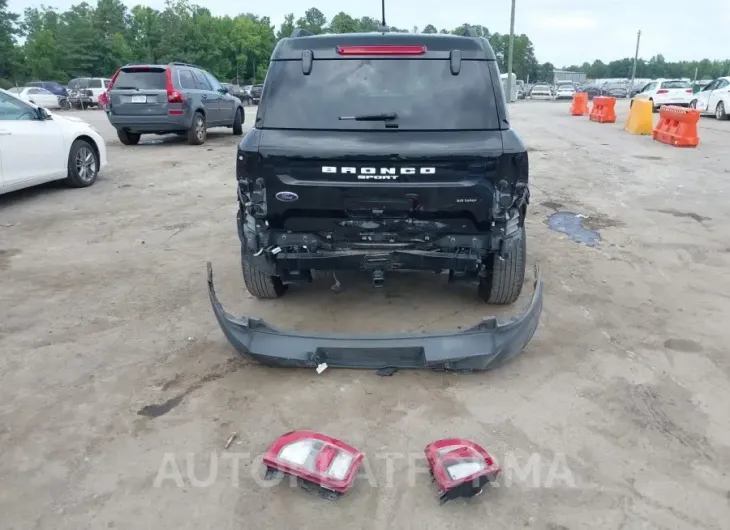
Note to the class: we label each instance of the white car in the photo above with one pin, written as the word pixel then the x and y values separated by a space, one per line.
pixel 94 86
pixel 37 146
pixel 541 92
pixel 565 92
pixel 39 96
pixel 714 99
pixel 667 92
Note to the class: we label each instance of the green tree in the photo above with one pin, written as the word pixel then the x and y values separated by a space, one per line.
pixel 287 27
pixel 343 23
pixel 313 20
pixel 430 29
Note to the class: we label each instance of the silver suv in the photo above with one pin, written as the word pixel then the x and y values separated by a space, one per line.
pixel 175 98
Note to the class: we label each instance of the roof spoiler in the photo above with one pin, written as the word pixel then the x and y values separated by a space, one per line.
pixel 301 32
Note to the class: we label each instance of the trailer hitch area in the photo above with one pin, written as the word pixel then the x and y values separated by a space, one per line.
pixel 378 278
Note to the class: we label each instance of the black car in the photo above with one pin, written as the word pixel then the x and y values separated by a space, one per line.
pixel 236 90
pixel 592 91
pixel 615 90
pixel 256 91
pixel 365 173
pixel 350 166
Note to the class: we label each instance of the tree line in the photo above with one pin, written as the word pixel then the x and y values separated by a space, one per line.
pixel 47 44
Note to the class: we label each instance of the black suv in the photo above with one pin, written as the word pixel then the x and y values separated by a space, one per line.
pixel 357 162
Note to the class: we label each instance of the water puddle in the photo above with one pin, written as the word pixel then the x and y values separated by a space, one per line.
pixel 571 224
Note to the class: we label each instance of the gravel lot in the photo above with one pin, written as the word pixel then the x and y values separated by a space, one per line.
pixel 617 403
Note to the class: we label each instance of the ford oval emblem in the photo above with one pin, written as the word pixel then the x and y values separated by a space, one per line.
pixel 287 196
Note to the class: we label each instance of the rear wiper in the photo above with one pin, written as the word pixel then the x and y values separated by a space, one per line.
pixel 127 88
pixel 385 116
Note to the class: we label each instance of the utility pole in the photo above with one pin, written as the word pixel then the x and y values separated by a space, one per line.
pixel 511 50
pixel 636 58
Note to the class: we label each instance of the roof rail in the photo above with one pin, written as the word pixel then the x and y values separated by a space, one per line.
pixel 301 32
pixel 179 63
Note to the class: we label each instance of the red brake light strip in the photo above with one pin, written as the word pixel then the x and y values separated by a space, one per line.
pixel 381 50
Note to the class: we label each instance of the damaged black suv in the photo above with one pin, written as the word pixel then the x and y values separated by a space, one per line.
pixel 358 161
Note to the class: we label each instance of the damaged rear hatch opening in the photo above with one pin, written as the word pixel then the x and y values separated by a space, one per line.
pixel 484 345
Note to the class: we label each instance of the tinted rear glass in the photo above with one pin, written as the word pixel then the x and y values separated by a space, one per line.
pixel 675 84
pixel 141 79
pixel 422 92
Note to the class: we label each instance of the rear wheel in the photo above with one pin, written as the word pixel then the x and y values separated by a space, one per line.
pixel 260 285
pixel 720 112
pixel 654 108
pixel 197 132
pixel 128 138
pixel 502 282
pixel 693 104
pixel 238 123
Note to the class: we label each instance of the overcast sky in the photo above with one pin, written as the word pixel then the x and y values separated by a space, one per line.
pixel 564 32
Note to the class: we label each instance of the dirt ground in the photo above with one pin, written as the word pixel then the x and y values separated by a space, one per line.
pixel 114 373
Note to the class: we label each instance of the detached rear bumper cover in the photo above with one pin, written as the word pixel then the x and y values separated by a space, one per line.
pixel 487 344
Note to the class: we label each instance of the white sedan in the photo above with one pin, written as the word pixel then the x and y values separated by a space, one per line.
pixel 667 92
pixel 714 99
pixel 37 95
pixel 541 92
pixel 37 146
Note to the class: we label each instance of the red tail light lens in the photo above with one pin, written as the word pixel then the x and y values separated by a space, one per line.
pixel 689 91
pixel 104 99
pixel 173 96
pixel 381 50
pixel 460 467
pixel 316 459
pixel 662 91
pixel 114 78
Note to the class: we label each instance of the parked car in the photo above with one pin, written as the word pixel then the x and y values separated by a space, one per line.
pixel 93 87
pixel 174 98
pixel 565 91
pixel 667 92
pixel 541 92
pixel 39 96
pixel 592 91
pixel 70 149
pixel 714 99
pixel 53 87
pixel 256 93
pixel 615 90
pixel 235 90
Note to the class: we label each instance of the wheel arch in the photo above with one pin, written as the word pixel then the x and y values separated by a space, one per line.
pixel 88 139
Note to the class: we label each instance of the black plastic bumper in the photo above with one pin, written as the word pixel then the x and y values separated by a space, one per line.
pixel 487 344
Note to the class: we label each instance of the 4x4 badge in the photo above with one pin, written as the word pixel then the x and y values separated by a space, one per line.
pixel 287 196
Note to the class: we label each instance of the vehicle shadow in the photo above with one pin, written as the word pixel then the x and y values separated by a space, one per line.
pixel 31 193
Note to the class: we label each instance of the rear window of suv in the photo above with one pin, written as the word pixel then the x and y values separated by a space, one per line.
pixel 423 94
pixel 143 79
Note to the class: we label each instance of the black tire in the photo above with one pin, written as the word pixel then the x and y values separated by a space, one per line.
pixel 238 122
pixel 128 138
pixel 197 132
pixel 83 165
pixel 721 111
pixel 654 108
pixel 260 285
pixel 502 283
pixel 693 104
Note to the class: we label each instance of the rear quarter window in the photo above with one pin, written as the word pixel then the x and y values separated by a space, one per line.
pixel 422 92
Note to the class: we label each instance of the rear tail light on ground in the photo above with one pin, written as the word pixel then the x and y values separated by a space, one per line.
pixel 173 96
pixel 460 467
pixel 317 460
